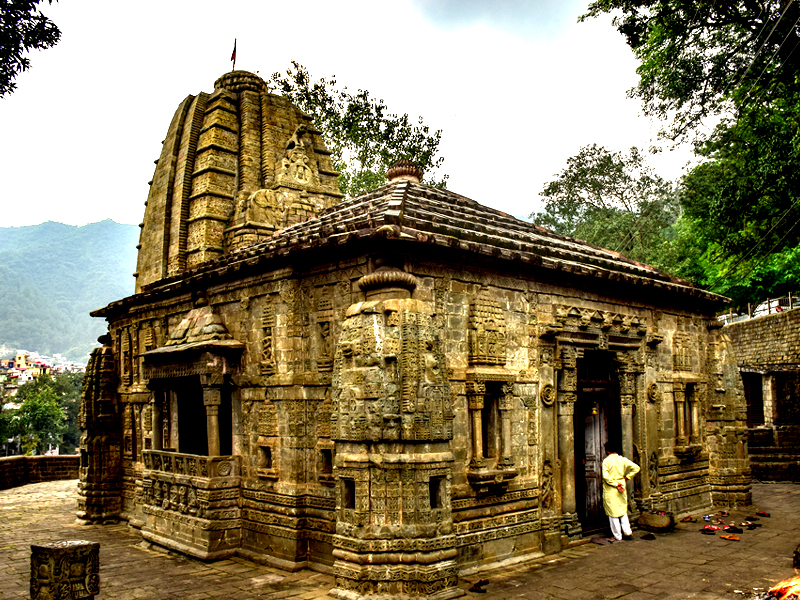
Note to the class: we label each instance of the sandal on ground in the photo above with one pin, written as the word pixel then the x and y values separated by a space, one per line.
pixel 733 529
pixel 732 537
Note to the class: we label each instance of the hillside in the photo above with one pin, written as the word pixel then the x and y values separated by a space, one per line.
pixel 52 275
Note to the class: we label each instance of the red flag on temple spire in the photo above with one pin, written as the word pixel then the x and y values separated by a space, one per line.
pixel 233 55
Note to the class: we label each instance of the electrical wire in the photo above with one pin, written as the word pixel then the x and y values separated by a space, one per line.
pixel 771 58
pixel 753 247
pixel 761 47
pixel 763 258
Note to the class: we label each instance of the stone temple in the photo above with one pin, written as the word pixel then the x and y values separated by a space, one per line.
pixel 394 388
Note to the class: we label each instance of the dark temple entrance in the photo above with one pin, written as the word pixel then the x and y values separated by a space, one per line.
pixel 597 420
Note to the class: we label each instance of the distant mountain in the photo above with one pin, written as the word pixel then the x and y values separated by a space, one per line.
pixel 52 275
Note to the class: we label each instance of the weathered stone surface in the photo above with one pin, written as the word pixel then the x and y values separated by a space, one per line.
pixel 413 383
pixel 68 570
pixel 767 353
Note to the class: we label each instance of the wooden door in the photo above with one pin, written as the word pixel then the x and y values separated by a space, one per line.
pixel 595 435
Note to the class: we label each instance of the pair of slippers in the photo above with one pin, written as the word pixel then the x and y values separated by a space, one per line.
pixel 478 587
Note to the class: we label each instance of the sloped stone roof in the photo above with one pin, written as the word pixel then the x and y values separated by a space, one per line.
pixel 419 214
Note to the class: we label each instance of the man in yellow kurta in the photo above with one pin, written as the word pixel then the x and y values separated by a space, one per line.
pixel 616 472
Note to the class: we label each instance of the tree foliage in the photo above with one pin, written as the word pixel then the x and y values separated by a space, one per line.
pixel 363 136
pixel 22 28
pixel 42 420
pixel 702 57
pixel 613 200
pixel 737 61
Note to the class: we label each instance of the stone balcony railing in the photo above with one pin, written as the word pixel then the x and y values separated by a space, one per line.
pixel 192 465
pixel 203 486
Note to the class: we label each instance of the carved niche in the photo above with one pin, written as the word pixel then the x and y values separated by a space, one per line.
pixel 487 331
pixel 297 166
pixel 268 339
pixel 325 319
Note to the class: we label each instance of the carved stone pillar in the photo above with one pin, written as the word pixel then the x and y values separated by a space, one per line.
pixel 69 569
pixel 505 404
pixel 475 396
pixel 158 420
pixel 567 394
pixel 694 417
pixel 627 428
pixel 680 414
pixel 212 397
pixel 566 453
pixel 627 385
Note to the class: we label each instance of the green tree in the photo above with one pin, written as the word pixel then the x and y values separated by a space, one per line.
pixel 9 428
pixel 736 61
pixel 613 200
pixel 42 420
pixel 745 202
pixel 66 388
pixel 362 135
pixel 22 28
pixel 701 57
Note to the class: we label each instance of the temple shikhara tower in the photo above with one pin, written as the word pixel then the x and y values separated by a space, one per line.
pixel 393 388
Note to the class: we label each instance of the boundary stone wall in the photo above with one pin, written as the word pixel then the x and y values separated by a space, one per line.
pixel 20 470
pixel 768 347
pixel 767 341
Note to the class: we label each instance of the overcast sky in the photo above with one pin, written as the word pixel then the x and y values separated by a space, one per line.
pixel 516 86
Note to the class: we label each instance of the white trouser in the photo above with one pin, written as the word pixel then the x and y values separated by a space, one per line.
pixel 620 526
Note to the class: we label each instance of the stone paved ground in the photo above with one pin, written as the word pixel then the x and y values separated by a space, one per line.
pixel 676 566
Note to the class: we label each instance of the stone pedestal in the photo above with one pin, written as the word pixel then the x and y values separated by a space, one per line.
pixel 67 570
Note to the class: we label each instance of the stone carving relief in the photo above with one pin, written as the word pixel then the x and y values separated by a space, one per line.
pixel 325 320
pixel 134 354
pixel 296 164
pixel 268 323
pixel 268 419
pixel 653 393
pixel 681 352
pixel 266 207
pixel 126 365
pixel 391 379
pixel 653 470
pixel 611 323
pixel 547 394
pixel 487 331
pixel 548 486
pixel 65 570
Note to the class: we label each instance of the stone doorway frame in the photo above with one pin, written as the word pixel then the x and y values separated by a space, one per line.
pixel 562 343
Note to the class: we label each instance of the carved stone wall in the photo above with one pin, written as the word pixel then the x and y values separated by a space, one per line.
pixel 767 354
pixel 405 384
pixel 198 208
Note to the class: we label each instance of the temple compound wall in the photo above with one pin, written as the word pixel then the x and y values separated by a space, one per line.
pixel 767 351
pixel 396 387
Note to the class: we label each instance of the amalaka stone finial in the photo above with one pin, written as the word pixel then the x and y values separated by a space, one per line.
pixel 239 81
pixel 404 170
pixel 387 282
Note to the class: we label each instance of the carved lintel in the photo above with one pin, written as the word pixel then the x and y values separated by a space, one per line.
pixel 654 338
